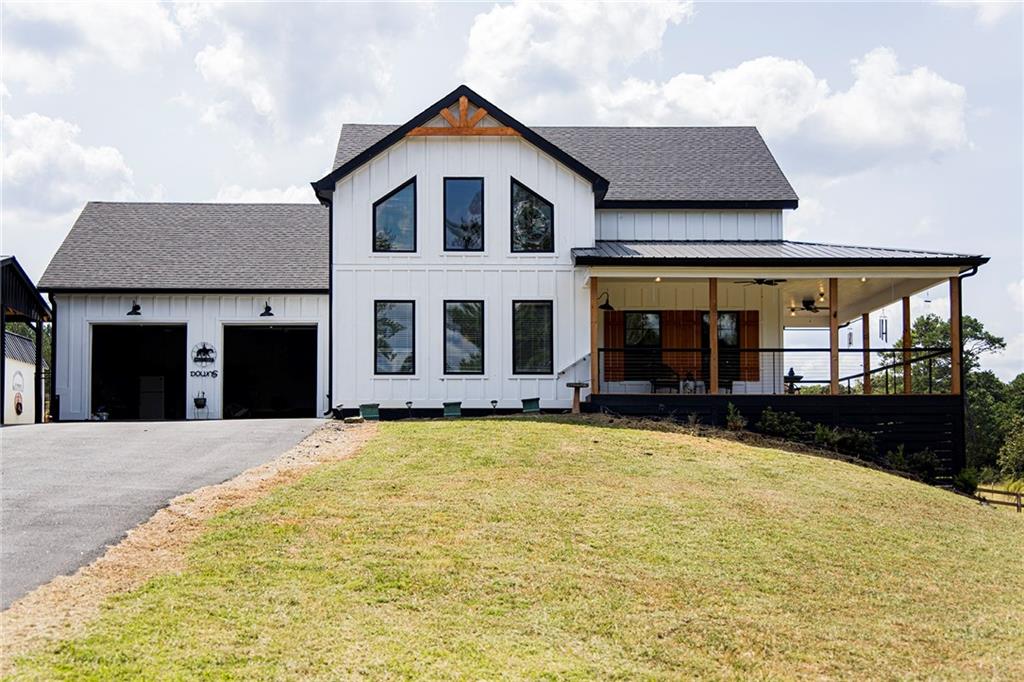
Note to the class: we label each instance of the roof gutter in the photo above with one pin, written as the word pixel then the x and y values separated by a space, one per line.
pixel 779 262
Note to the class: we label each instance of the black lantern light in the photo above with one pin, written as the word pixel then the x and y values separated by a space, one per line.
pixel 267 312
pixel 136 309
pixel 408 406
pixel 494 407
pixel 606 305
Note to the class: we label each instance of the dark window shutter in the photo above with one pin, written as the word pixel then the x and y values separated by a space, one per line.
pixel 614 338
pixel 750 337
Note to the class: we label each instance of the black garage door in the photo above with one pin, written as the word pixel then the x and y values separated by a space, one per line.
pixel 269 371
pixel 138 371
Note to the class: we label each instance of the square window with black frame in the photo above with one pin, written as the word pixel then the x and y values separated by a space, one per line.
pixel 533 221
pixel 394 334
pixel 532 337
pixel 463 337
pixel 394 220
pixel 463 214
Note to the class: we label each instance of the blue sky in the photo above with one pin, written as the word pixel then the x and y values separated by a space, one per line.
pixel 898 124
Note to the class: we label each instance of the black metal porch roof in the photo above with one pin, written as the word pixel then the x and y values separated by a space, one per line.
pixel 743 253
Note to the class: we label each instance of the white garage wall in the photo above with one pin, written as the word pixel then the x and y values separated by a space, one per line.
pixel 205 317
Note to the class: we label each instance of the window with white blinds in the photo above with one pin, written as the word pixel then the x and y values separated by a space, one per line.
pixel 394 332
pixel 532 337
pixel 464 337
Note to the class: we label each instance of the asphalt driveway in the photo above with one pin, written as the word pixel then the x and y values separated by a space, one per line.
pixel 69 490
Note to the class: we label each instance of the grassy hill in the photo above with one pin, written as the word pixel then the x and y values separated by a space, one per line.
pixel 544 548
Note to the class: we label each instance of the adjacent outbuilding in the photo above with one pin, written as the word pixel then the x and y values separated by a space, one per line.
pixel 21 358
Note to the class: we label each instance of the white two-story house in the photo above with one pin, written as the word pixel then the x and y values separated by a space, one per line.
pixel 464 257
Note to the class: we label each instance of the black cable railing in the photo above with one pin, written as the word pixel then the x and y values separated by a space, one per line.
pixel 645 370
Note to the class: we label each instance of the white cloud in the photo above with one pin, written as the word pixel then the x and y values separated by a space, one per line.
pixel 986 12
pixel 267 73
pixel 48 175
pixel 1016 292
pixel 887 111
pixel 232 67
pixel 538 56
pixel 886 108
pixel 806 222
pixel 45 166
pixel 46 43
pixel 293 194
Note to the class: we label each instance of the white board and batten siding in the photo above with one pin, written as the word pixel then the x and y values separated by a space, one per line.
pixel 644 225
pixel 431 275
pixel 204 315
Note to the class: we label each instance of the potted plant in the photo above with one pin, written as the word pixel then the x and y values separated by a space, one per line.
pixel 200 400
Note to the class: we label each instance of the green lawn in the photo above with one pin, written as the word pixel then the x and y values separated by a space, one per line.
pixel 478 549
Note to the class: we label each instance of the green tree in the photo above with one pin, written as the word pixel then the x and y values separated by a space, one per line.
pixel 990 402
pixel 1011 454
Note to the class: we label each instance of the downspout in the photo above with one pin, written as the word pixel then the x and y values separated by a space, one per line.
pixel 963 374
pixel 330 305
pixel 54 398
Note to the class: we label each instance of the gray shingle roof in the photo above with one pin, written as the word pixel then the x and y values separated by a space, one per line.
pixel 22 348
pixel 742 252
pixel 193 246
pixel 646 163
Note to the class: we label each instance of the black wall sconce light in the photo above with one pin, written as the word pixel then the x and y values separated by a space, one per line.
pixel 267 312
pixel 136 309
pixel 606 305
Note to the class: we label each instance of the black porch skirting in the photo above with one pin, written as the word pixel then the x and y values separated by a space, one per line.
pixel 914 421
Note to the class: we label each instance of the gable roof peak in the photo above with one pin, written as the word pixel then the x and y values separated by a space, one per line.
pixel 324 187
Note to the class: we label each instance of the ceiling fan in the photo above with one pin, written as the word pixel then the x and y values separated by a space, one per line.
pixel 760 282
pixel 809 305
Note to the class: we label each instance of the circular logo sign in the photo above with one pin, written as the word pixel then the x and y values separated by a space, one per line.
pixel 18 381
pixel 204 354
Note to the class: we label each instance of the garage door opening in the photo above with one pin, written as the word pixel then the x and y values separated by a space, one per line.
pixel 269 371
pixel 138 371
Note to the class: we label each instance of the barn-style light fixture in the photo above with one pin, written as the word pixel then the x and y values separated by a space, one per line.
pixel 136 309
pixel 606 305
pixel 267 312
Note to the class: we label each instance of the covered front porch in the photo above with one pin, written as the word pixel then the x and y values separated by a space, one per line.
pixel 728 326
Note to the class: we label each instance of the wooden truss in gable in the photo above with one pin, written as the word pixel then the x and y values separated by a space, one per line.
pixel 464 124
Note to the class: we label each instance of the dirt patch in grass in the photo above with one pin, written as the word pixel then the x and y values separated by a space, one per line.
pixel 60 608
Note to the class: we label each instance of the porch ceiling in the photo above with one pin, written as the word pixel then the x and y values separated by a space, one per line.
pixel 859 291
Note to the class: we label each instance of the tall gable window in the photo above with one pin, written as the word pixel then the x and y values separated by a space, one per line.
pixel 394 337
pixel 463 214
pixel 463 337
pixel 533 221
pixel 394 220
pixel 532 337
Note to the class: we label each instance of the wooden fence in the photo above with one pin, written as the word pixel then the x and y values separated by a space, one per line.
pixel 1016 498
